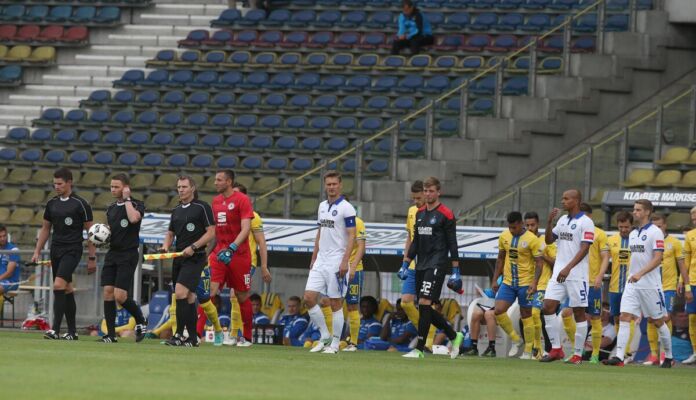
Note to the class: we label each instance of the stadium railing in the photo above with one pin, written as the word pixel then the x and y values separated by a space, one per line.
pixel 601 163
pixel 559 40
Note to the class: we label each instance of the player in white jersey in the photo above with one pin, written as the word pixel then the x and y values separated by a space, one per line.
pixel 575 234
pixel 643 292
pixel 327 271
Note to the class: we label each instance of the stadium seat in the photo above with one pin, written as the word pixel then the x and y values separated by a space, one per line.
pixel 639 177
pixel 228 18
pixel 675 155
pixel 107 15
pixel 75 34
pixel 27 33
pixel 665 179
pixel 59 14
pixel 688 180
pixel 83 14
pixel 12 12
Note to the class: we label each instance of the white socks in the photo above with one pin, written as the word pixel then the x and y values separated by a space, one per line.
pixel 317 317
pixel 580 337
pixel 552 330
pixel 665 340
pixel 337 325
pixel 622 339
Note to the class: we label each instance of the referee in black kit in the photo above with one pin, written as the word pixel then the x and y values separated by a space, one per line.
pixel 68 214
pixel 124 217
pixel 193 226
pixel 434 247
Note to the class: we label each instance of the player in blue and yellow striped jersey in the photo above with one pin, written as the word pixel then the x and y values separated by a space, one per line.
pixel 408 271
pixel 355 283
pixel 548 255
pixel 620 254
pixel 519 257
pixel 689 286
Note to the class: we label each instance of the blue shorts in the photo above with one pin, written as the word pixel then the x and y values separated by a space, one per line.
pixel 508 294
pixel 8 286
pixel 538 301
pixel 615 304
pixel 594 301
pixel 355 288
pixel 691 307
pixel 409 286
pixel 203 288
pixel 669 299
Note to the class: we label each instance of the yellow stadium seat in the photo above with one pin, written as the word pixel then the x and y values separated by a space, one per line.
pixel 33 197
pixel 92 178
pixel 43 177
pixel 142 181
pixel 675 155
pixel 272 306
pixel 166 182
pixel 452 311
pixel 687 181
pixel 666 179
pixel 17 53
pixel 19 175
pixel 638 178
pixel 103 200
pixel 99 217
pixel 21 216
pixel 384 307
pixel 676 220
pixel 156 201
pixel 3 50
pixel 10 196
pixel 42 55
pixel 691 160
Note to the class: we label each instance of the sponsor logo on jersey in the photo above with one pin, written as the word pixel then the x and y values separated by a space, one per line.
pixel 190 227
pixel 573 226
pixel 638 248
pixel 566 236
pixel 222 217
pixel 327 223
pixel 68 221
pixel 334 213
pixel 645 237
pixel 124 223
pixel 425 230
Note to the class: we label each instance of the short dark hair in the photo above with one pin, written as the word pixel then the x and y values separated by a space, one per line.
pixel 514 216
pixel 295 298
pixel 531 215
pixel 3 228
pixel 417 186
pixel 586 208
pixel 658 217
pixel 241 187
pixel 255 297
pixel 645 203
pixel 64 174
pixel 432 181
pixel 333 174
pixel 624 216
pixel 408 3
pixel 123 177
pixel 685 228
pixel 228 173
pixel 371 301
pixel 191 182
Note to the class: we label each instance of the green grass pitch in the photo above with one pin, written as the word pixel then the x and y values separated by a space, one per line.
pixel 34 368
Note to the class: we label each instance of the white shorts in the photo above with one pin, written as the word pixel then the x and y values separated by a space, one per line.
pixel 647 302
pixel 327 282
pixel 573 291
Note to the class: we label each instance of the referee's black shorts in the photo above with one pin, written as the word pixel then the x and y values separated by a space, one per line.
pixel 64 260
pixel 187 270
pixel 429 282
pixel 119 268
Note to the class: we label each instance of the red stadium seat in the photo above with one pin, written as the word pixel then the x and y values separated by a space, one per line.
pixel 76 34
pixel 8 32
pixel 51 33
pixel 27 33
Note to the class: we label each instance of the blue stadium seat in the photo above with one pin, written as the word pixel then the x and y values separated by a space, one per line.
pixel 269 39
pixel 124 97
pixel 252 17
pixel 351 103
pixel 261 142
pixel 177 160
pixel 221 121
pixel 84 14
pixel 586 23
pixel 197 120
pixel 550 64
pixel 410 83
pixel 353 19
pixel 227 18
pixel 128 159
pixel 302 18
pixel 377 104
pixel 114 137
pixel 319 124
pixel 254 80
pixel 306 81
pixel 187 58
pixel 12 12
pixel 503 43
pixel 277 164
pixel 154 78
pixel 295 123
pixel 73 117
pixel 153 160
pixel 173 98
pixel 229 80
pixel 202 161
pixel 320 40
pixel 583 44
pixel 41 135
pixel 264 60
pixel 163 139
pixel 380 20
pixel 280 81
pixel 327 19
pixel 90 136
pixel 378 166
pixel 139 138
pixel 195 37
pixel 222 100
pixel 616 23
pixel 484 21
pixel 217 39
pixel 107 15
pixel 277 17
pixel 200 98
pixel 331 83
pixel 79 157
pixel 35 13
pixel 564 5
pixel 412 147
pixel 252 163
pixel 236 141
pixel 172 119
pixel 104 157
pixel 18 134
pixel 51 116
pixel 59 14
pixel 435 18
pixel 286 143
pixel 483 4
pixel 245 122
pixel 55 156
pixel 269 123
pixel 8 154
pixel 148 98
pixel 483 86
pixel 98 97
pixel 294 39
pixel 346 40
pixel 245 38
pixel 358 83
pixel 147 117
pixel 227 162
pixel 536 23
pixel 248 100
pixel 178 79
pixel 369 125
pixel 123 117
pixel 336 144
pixel 212 59
pixel 346 124
pixel 419 61
pixel 509 22
pixel 325 102
pixel 212 140
pixel 99 117
pixel 302 164
pixel 536 4
pixel 404 103
pixel 348 165
pixel 273 101
pixel 311 144
pixel 341 60
pixel 299 101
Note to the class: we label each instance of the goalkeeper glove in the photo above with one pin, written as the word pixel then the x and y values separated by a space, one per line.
pixel 225 256
pixel 403 272
pixel 455 281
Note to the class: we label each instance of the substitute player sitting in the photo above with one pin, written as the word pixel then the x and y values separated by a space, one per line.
pixel 519 257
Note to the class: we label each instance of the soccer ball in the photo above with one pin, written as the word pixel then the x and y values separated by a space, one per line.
pixel 99 234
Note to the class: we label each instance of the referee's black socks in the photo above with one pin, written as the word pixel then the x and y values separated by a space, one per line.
pixel 133 309
pixel 110 317
pixel 70 311
pixel 58 309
